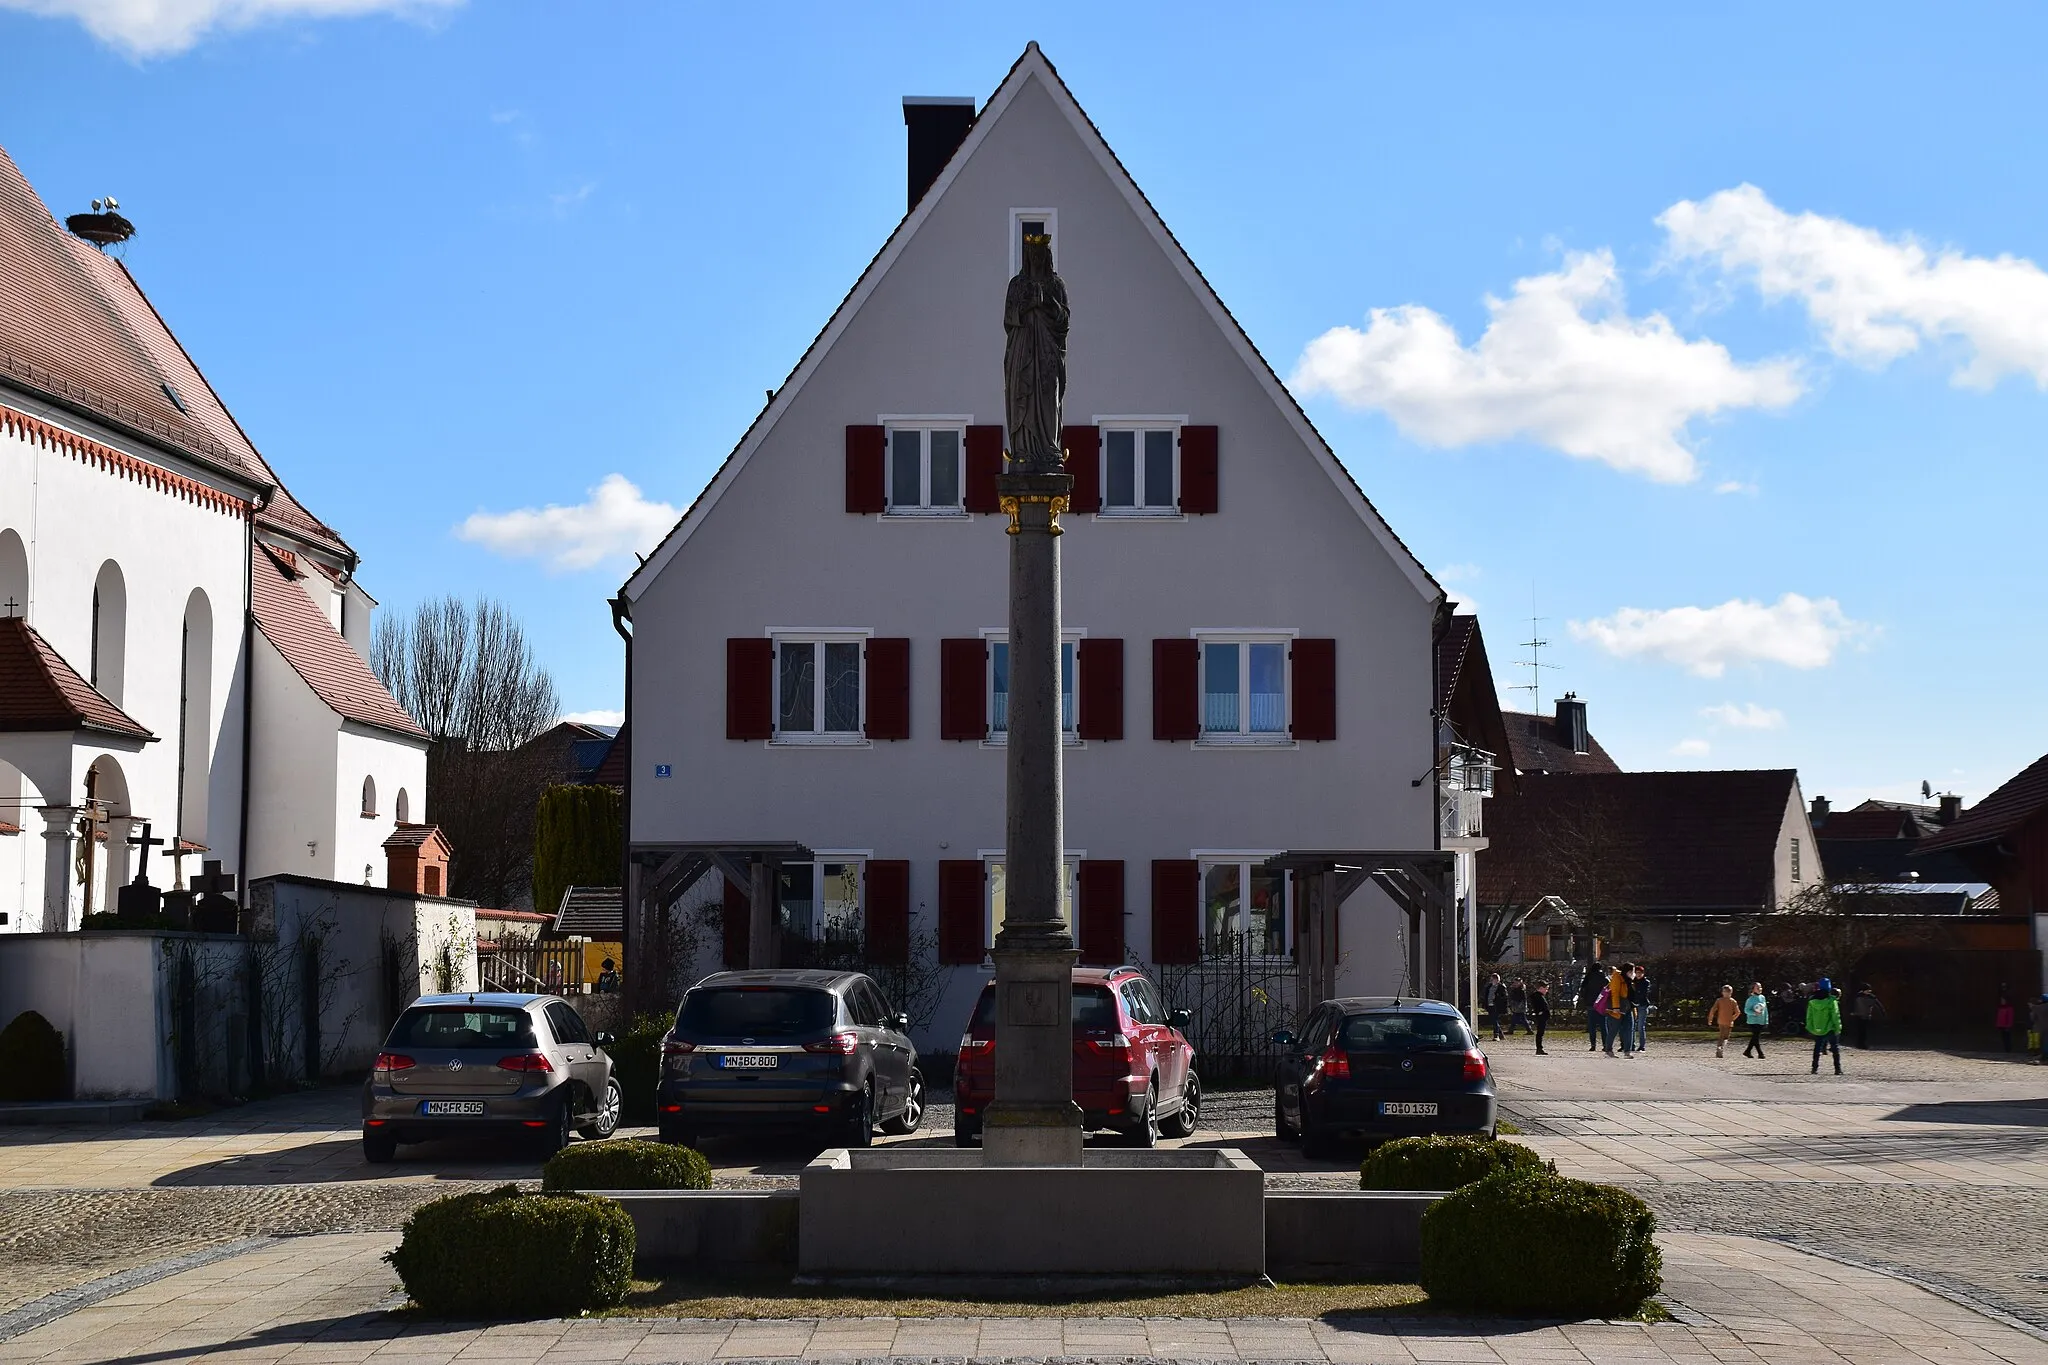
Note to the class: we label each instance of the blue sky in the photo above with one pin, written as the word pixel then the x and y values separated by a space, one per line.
pixel 1753 417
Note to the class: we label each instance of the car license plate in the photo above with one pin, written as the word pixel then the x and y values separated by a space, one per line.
pixel 1407 1109
pixel 470 1107
pixel 749 1061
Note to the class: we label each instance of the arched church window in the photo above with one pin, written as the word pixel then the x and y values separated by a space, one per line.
pixel 195 711
pixel 404 807
pixel 109 632
pixel 369 798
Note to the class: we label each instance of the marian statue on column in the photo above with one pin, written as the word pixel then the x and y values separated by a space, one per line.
pixel 1035 360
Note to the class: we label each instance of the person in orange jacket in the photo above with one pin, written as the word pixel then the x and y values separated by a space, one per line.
pixel 1617 1021
pixel 1721 1017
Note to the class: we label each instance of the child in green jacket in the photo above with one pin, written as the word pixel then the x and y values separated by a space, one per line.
pixel 1824 1022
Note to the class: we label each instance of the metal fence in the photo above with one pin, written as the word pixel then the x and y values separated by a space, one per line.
pixel 1235 1001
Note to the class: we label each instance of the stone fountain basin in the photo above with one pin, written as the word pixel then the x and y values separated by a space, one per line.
pixel 924 1212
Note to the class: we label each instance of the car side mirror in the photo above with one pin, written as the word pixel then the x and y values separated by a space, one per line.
pixel 1180 1019
pixel 899 1022
pixel 1284 1038
pixel 605 1039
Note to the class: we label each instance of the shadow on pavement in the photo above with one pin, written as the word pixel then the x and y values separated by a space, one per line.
pixel 2003 1113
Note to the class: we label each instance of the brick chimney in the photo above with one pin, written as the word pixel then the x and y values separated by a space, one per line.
pixel 1571 723
pixel 938 125
pixel 416 860
pixel 1951 809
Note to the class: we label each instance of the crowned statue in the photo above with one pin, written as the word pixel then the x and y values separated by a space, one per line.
pixel 1035 319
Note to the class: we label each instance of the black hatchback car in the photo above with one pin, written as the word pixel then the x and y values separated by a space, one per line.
pixel 1377 1067
pixel 792 1050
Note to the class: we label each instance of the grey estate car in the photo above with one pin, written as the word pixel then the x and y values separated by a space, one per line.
pixel 485 1064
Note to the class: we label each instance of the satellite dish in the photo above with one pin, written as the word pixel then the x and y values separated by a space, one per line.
pixel 1926 791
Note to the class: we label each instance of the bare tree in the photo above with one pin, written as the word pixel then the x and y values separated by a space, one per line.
pixel 468 677
pixel 1576 852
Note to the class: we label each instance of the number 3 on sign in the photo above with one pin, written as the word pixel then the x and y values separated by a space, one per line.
pixel 663 770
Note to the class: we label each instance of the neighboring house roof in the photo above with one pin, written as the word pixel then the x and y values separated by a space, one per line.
pixel 1034 65
pixel 1451 648
pixel 2023 797
pixel 1872 823
pixel 316 650
pixel 77 329
pixel 1538 746
pixel 41 692
pixel 1465 692
pixel 514 916
pixel 597 912
pixel 611 769
pixel 1681 841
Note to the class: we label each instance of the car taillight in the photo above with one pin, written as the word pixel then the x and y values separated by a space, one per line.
pixel 1335 1064
pixel 970 1043
pixel 393 1061
pixel 1475 1065
pixel 526 1061
pixel 1115 1045
pixel 676 1047
pixel 841 1043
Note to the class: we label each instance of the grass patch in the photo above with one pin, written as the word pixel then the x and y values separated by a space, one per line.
pixel 699 1297
pixel 1507 1129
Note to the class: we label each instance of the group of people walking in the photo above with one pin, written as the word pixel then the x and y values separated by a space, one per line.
pixel 1521 1005
pixel 1823 1020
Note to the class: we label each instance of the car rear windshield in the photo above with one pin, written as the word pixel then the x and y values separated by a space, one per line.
pixel 459 1027
pixel 756 1012
pixel 1094 1008
pixel 1368 1032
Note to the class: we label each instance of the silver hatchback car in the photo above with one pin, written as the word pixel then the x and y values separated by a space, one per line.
pixel 475 1065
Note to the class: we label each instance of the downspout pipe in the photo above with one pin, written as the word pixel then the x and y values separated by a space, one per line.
pixel 248 692
pixel 622 622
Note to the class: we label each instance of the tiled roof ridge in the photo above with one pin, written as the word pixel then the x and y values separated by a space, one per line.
pixel 318 653
pixel 67 698
pixel 2011 804
pixel 71 391
pixel 88 451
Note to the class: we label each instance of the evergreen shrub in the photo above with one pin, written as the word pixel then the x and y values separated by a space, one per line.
pixel 1600 1257
pixel 578 840
pixel 506 1254
pixel 1442 1163
pixel 626 1165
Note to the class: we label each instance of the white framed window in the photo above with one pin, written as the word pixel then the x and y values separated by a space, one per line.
pixel 1244 689
pixel 1024 222
pixel 820 696
pixel 998 901
pixel 927 466
pixel 1245 908
pixel 1140 466
pixel 821 900
pixel 1795 861
pixel 999 686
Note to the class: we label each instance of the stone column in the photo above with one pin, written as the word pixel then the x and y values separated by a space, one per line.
pixel 1033 1120
pixel 58 823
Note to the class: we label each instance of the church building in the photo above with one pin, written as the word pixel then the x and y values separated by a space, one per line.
pixel 183 644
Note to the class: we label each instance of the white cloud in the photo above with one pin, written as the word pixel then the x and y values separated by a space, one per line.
pixel 1561 362
pixel 1875 298
pixel 597 717
pixel 615 521
pixel 1748 716
pixel 1735 486
pixel 1453 577
pixel 1691 748
pixel 1797 631
pixel 159 28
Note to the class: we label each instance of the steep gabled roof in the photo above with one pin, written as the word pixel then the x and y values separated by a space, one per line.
pixel 597 912
pixel 77 329
pixel 1033 65
pixel 2019 800
pixel 315 649
pixel 41 692
pixel 1686 841
pixel 1465 691
pixel 1539 747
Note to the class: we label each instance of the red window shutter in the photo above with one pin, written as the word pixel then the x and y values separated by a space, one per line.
pixel 1176 911
pixel 984 467
pixel 888 689
pixel 737 924
pixel 750 688
pixel 865 488
pixel 1197 469
pixel 1100 933
pixel 1176 689
pixel 888 895
pixel 1084 462
pixel 962 924
pixel 1315 689
pixel 963 690
pixel 1102 689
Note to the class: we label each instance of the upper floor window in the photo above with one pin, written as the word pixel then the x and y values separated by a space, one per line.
pixel 1033 223
pixel 1140 469
pixel 925 468
pixel 1244 689
pixel 999 689
pixel 818 688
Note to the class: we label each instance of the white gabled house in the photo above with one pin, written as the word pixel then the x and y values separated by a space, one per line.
pixel 817 655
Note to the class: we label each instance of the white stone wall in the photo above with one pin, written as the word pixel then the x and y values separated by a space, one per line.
pixel 294 765
pixel 394 766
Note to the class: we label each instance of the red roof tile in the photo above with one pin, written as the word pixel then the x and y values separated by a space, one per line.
pixel 1539 748
pixel 75 327
pixel 611 769
pixel 1999 814
pixel 416 836
pixel 40 692
pixel 315 650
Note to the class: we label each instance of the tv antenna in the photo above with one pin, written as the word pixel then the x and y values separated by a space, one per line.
pixel 1535 644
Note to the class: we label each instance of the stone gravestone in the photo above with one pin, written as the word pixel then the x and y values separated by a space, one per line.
pixel 139 900
pixel 214 912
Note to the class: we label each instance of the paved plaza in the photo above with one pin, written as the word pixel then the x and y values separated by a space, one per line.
pixel 1896 1213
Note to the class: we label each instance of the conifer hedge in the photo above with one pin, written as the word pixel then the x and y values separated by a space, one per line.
pixel 578 840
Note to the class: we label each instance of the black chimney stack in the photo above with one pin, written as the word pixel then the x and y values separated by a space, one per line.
pixel 1951 810
pixel 938 125
pixel 1571 722
pixel 1819 814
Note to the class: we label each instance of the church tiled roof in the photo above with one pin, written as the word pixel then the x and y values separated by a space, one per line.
pixel 41 692
pixel 315 649
pixel 76 328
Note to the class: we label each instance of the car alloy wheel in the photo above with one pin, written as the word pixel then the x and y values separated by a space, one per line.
pixel 860 1124
pixel 912 1116
pixel 607 1113
pixel 1189 1117
pixel 1283 1127
pixel 1146 1134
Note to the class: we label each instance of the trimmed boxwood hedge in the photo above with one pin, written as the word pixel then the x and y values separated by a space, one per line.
pixel 1442 1163
pixel 506 1254
pixel 31 1059
pixel 1600 1259
pixel 626 1165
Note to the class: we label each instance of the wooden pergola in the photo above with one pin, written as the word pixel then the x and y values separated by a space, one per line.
pixel 1423 883
pixel 660 874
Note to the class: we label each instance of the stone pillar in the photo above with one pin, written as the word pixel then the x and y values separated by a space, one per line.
pixel 1033 1120
pixel 58 824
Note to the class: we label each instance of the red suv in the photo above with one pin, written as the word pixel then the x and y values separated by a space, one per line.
pixel 1134 1069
